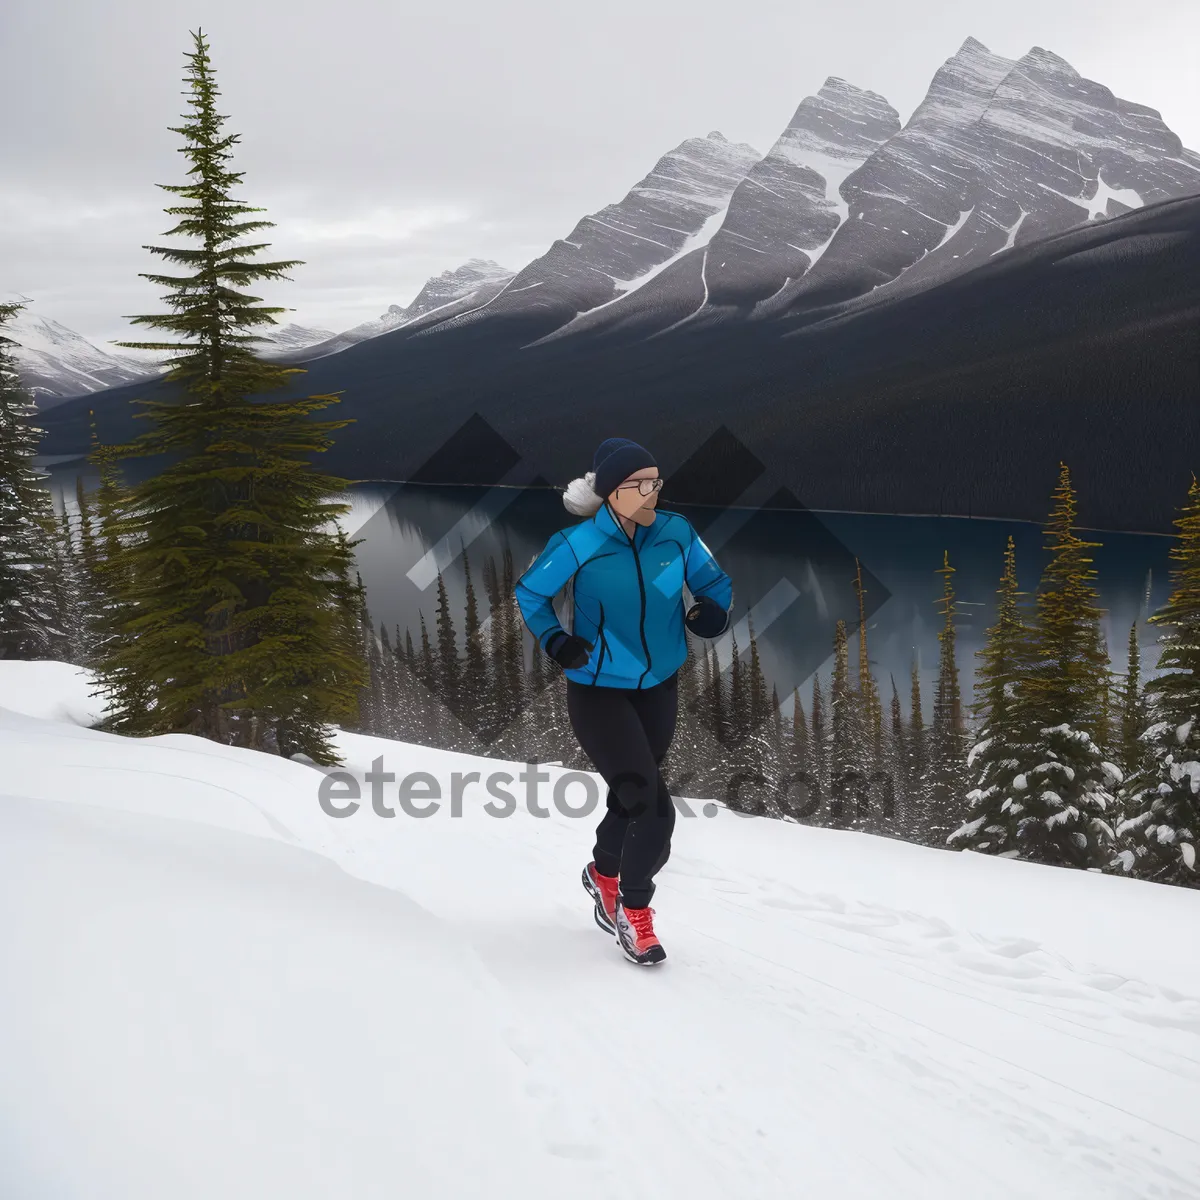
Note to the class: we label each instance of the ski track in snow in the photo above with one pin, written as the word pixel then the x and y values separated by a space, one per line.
pixel 810 1033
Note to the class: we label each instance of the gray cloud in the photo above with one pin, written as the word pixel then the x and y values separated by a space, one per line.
pixel 391 142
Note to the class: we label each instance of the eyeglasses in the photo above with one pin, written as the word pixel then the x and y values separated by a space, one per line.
pixel 645 486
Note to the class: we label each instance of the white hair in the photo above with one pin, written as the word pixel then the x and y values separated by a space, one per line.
pixel 580 497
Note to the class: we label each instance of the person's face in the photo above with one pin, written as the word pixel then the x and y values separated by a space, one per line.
pixel 627 497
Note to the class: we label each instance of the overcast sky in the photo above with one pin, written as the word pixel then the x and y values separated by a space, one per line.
pixel 391 140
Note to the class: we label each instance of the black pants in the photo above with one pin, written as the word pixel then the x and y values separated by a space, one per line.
pixel 626 732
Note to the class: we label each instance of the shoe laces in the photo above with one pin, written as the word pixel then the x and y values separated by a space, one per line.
pixel 641 920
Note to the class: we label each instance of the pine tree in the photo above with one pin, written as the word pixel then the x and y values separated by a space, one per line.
pixel 869 702
pixel 1133 712
pixel 1165 827
pixel 889 789
pixel 997 811
pixel 87 566
pixel 1066 782
pixel 390 685
pixel 819 751
pixel 449 672
pixel 28 627
pixel 737 712
pixel 756 754
pixel 916 762
pixel 239 629
pixel 800 798
pixel 371 708
pixel 70 593
pixel 943 787
pixel 718 699
pixel 474 683
pixel 847 773
pixel 125 691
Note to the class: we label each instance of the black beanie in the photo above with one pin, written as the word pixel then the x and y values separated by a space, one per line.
pixel 615 460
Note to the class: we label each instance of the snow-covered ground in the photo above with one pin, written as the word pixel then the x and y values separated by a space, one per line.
pixel 211 988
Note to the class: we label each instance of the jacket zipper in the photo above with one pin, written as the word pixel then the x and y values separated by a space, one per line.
pixel 600 639
pixel 637 562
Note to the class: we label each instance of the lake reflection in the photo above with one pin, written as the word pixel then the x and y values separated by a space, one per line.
pixel 793 569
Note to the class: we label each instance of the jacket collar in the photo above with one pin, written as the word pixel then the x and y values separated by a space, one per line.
pixel 607 523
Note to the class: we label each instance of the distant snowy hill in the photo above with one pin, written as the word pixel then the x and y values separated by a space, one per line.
pixel 213 988
pixel 443 296
pixel 55 363
pixel 288 338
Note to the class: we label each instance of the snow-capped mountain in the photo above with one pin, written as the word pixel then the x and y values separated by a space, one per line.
pixel 676 207
pixel 288 338
pixel 787 210
pixel 780 217
pixel 999 154
pixel 848 205
pixel 476 282
pixel 55 362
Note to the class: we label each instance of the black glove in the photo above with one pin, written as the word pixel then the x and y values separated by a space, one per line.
pixel 569 651
pixel 706 618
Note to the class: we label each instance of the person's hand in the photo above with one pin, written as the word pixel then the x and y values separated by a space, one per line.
pixel 706 618
pixel 569 651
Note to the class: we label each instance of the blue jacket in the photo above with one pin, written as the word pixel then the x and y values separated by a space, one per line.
pixel 627 594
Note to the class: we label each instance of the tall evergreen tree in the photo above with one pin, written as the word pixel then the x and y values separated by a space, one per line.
pixel 449 668
pixel 943 788
pixel 1067 783
pixel 239 630
pixel 737 712
pixel 371 706
pixel 889 790
pixel 1133 714
pixel 997 811
pixel 869 703
pixel 798 801
pixel 87 567
pixel 427 676
pixel 28 603
pixel 718 699
pixel 475 683
pixel 847 759
pixel 916 761
pixel 818 749
pixel 1165 826
pixel 758 702
pixel 70 592
pixel 124 690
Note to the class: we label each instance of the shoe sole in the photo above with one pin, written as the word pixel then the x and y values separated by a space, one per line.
pixel 659 954
pixel 598 912
pixel 645 962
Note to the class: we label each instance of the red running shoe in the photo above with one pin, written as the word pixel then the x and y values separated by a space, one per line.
pixel 635 932
pixel 602 889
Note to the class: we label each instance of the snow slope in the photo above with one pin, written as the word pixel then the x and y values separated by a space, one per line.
pixel 197 1001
